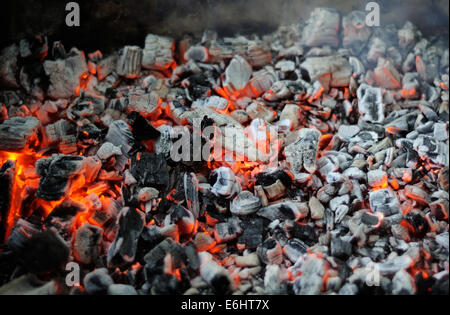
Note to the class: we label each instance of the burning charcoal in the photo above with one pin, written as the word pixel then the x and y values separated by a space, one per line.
pixel 87 243
pixel 326 193
pixel 250 260
pixel 400 232
pixel 86 105
pixel 287 210
pixel 270 252
pixel 129 62
pixel 384 201
pixel 416 193
pixel 123 249
pixel 217 103
pixel 245 203
pixel 108 150
pixel 370 104
pixel 311 281
pixel 141 128
pixel 183 218
pixel 341 249
pixel 106 66
pixel 386 75
pixel 150 170
pixel 29 284
pixel 442 239
pixel 316 208
pixel 322 28
pixel 204 242
pixel 346 132
pixel 158 53
pixel 332 71
pixel 430 148
pixel 18 133
pixel 225 232
pixel 403 283
pixel 7 173
pixel 146 104
pixel 56 174
pixel 237 74
pixel 294 249
pixel 302 151
pixel 355 31
pixel 410 85
pixel 258 110
pixel 121 289
pixel 8 66
pixel 225 183
pixel 38 251
pixel 63 216
pixel 65 74
pixel 377 178
pixel 215 275
pixel 147 193
pixel 292 114
pixel 443 178
pixel 98 281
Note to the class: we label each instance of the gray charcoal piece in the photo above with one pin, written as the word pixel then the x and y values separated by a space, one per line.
pixel 430 148
pixel 158 52
pixel 245 203
pixel 87 244
pixel 370 104
pixel 237 74
pixel 384 201
pixel 123 250
pixel 121 289
pixel 331 71
pixel 403 283
pixel 225 232
pixel 340 249
pixel 65 74
pixel 355 30
pixel 129 62
pixel 191 194
pixel 226 184
pixel 9 67
pixel 322 28
pixel 97 281
pixel 303 151
pixel 17 132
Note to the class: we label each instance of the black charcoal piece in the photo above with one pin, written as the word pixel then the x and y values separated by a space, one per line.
pixel 252 234
pixel 191 194
pixel 56 173
pixel 168 246
pixel 38 250
pixel 340 249
pixel 150 170
pixel 303 232
pixel 141 128
pixel 123 250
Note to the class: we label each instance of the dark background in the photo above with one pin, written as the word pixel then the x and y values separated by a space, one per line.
pixel 110 24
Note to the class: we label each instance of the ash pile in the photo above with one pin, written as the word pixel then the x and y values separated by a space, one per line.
pixel 345 192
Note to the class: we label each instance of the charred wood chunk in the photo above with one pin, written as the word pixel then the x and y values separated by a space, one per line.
pixel 29 284
pixel 245 203
pixel 65 74
pixel 304 233
pixel 302 152
pixel 17 133
pixel 332 71
pixel 150 170
pixel 7 172
pixel 225 183
pixel 156 256
pixel 270 252
pixel 340 248
pixel 191 194
pixel 129 62
pixel 215 275
pixel 146 104
pixel 56 173
pixel 38 250
pixel 123 250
